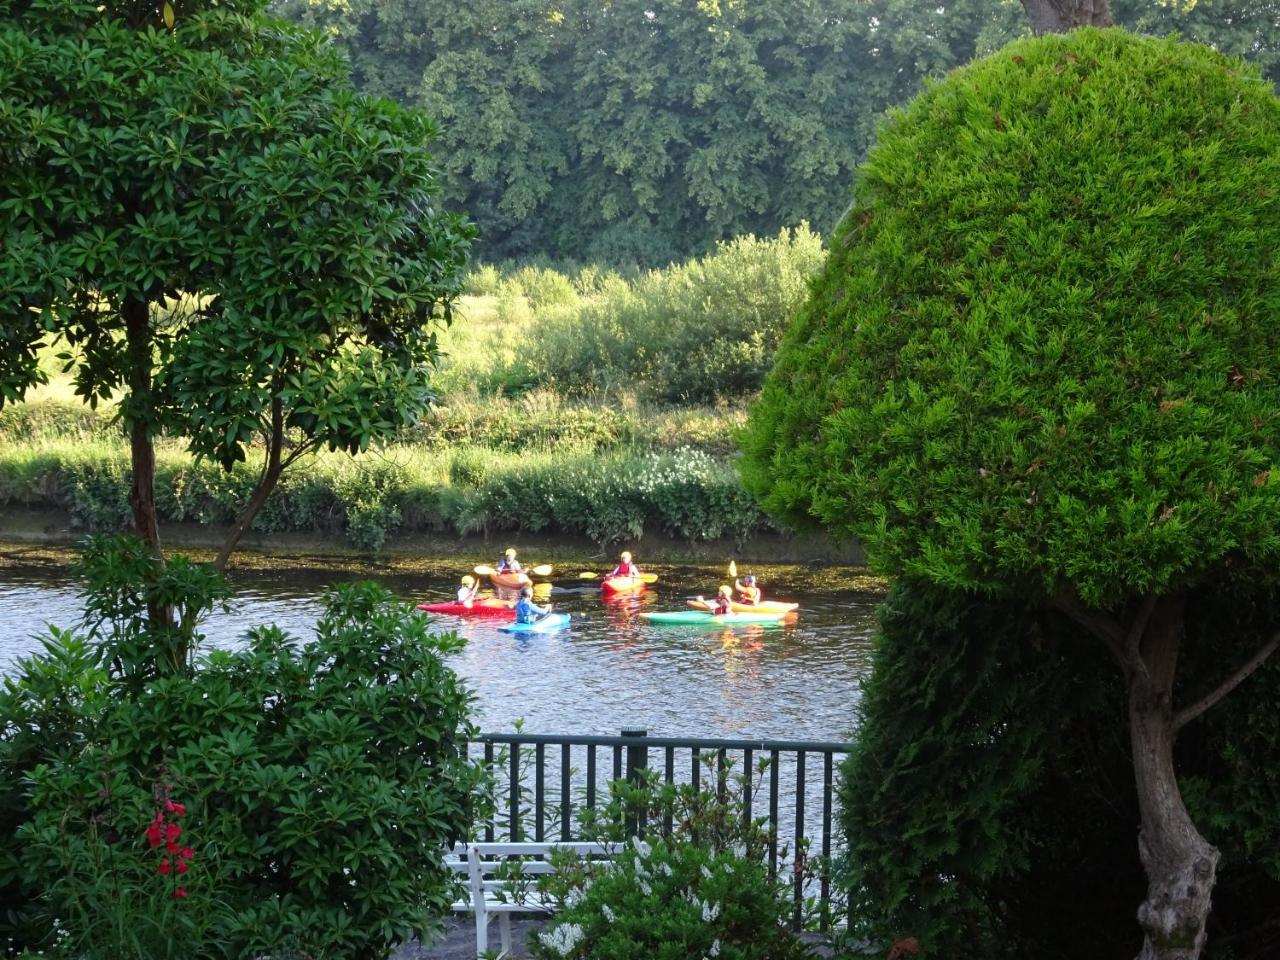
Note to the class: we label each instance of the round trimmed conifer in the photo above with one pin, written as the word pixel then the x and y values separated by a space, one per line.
pixel 1043 358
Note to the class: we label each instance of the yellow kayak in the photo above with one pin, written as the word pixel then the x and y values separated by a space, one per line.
pixel 766 606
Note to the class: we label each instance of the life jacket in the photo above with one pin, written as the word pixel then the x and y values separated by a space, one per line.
pixel 525 611
pixel 751 594
pixel 625 570
pixel 509 566
pixel 723 605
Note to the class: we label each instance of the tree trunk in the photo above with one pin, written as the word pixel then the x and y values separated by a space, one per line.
pixel 142 493
pixel 271 470
pixel 1062 16
pixel 1180 864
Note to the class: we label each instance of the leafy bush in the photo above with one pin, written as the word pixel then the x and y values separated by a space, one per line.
pixel 606 495
pixel 664 900
pixel 691 333
pixel 321 779
pixel 963 824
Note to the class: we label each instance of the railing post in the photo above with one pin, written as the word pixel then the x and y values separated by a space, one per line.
pixel 637 767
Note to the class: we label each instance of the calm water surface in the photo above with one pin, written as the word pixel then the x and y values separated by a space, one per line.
pixel 610 670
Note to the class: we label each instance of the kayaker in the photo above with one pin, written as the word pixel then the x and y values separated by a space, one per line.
pixel 625 567
pixel 526 610
pixel 467 592
pixel 724 602
pixel 509 563
pixel 751 594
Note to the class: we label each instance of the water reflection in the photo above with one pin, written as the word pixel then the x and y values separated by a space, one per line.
pixel 610 669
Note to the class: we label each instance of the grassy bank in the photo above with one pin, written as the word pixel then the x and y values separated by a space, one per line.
pixel 580 403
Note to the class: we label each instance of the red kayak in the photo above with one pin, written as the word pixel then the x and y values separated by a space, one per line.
pixel 616 585
pixel 489 607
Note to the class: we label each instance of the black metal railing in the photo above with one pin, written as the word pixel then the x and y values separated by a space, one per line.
pixel 580 768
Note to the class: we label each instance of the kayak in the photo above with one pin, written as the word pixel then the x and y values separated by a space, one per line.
pixel 622 585
pixel 544 624
pixel 488 607
pixel 765 606
pixel 702 618
pixel 510 581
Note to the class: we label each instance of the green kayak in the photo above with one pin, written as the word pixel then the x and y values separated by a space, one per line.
pixel 700 618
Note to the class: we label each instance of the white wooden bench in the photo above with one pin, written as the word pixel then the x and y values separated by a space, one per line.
pixel 505 896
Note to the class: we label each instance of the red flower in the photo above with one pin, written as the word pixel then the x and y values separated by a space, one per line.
pixel 177 808
pixel 182 866
pixel 180 892
pixel 186 853
pixel 164 866
pixel 171 847
pixel 172 832
pixel 155 835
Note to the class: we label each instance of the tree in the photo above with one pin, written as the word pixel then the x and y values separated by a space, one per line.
pixel 218 229
pixel 1059 16
pixel 646 131
pixel 1040 361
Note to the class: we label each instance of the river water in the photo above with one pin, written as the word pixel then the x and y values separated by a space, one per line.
pixel 611 670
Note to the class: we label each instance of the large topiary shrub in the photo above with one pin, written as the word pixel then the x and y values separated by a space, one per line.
pixel 1040 361
pixel 316 782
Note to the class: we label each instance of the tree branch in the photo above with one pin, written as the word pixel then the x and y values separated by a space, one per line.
pixel 1183 717
pixel 1103 626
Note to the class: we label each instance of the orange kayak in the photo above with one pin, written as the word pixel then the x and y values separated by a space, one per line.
pixel 510 581
pixel 622 585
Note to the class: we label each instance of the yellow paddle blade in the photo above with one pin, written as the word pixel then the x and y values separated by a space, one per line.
pixel 588 575
pixel 485 571
pixel 542 570
pixel 649 577
pixel 733 569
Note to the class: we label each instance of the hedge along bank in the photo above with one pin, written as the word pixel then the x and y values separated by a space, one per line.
pixel 686 494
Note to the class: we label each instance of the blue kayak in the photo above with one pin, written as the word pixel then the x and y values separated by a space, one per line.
pixel 544 624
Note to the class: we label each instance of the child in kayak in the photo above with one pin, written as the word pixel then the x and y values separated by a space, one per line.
pixel 526 610
pixel 625 567
pixel 509 563
pixel 467 592
pixel 751 594
pixel 723 603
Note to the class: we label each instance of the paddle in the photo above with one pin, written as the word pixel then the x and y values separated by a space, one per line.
pixel 590 575
pixel 733 569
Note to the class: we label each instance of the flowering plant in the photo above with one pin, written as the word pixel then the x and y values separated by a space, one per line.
pixel 671 900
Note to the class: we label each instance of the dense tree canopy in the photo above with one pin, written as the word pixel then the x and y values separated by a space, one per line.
pixel 643 130
pixel 216 228
pixel 1041 360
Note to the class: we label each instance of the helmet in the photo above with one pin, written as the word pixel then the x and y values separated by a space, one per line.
pixel 468 581
pixel 726 591
pixel 626 556
pixel 749 580
pixel 511 553
pixel 526 591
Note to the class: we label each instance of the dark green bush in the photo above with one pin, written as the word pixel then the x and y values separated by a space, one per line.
pixel 321 779
pixel 990 806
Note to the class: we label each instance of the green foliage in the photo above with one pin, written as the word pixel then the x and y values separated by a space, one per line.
pixel 700 332
pixel 990 779
pixel 673 901
pixel 210 223
pixel 704 121
pixel 320 779
pixel 606 494
pixel 1041 353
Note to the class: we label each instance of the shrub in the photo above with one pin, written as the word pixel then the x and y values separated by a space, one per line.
pixel 664 900
pixel 690 333
pixel 321 778
pixel 963 824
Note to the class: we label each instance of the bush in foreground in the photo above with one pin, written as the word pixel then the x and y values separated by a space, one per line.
pixel 318 781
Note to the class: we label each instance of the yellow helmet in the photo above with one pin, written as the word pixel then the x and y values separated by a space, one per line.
pixel 511 553
pixel 468 581
pixel 626 556
pixel 726 591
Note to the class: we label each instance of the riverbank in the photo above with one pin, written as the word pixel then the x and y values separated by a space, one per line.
pixel 31 529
